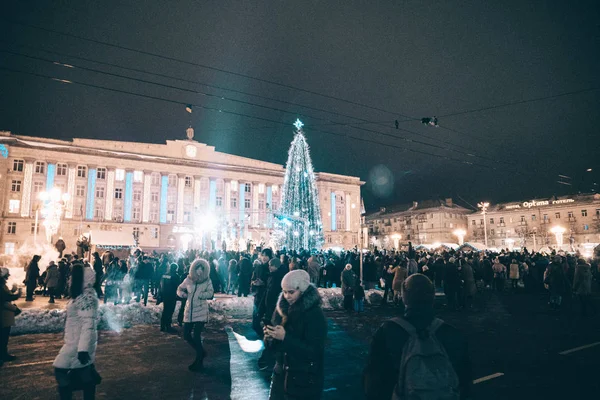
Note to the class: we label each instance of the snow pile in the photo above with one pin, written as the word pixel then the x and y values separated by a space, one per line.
pixel 122 316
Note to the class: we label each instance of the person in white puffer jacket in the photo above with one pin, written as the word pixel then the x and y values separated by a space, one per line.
pixel 197 288
pixel 74 364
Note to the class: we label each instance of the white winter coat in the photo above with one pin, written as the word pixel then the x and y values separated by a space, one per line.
pixel 81 326
pixel 197 289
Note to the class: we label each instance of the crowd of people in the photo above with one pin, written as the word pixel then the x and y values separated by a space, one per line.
pixel 287 312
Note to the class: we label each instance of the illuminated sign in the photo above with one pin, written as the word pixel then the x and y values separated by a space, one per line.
pixel 536 203
pixel 3 151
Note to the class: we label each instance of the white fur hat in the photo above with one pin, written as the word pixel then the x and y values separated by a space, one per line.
pixel 297 279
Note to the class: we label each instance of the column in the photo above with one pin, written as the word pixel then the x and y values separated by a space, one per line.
pixel 164 190
pixel 348 211
pixel 50 174
pixel 110 193
pixel 333 219
pixel 212 194
pixel 227 200
pixel 91 193
pixel 241 198
pixel 180 192
pixel 255 211
pixel 269 205
pixel 128 195
pixel 197 193
pixel 146 196
pixel 27 183
pixel 70 190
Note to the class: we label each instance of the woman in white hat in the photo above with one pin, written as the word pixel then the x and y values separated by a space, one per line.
pixel 298 335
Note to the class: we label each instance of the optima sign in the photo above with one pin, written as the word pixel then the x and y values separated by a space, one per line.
pixel 535 203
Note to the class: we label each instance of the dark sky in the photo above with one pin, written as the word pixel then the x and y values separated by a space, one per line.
pixel 411 58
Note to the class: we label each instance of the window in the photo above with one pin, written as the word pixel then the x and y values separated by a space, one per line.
pixel 219 201
pixel 154 197
pixel 136 213
pixel 173 180
pixel 154 233
pixel 246 203
pixel 13 206
pixel 171 198
pixel 493 242
pixel 101 173
pixel 233 202
pixel 492 232
pixel 18 166
pixel 81 171
pixel 118 193
pixel 533 217
pixel 248 188
pixel 136 231
pixel 15 186
pixel 522 218
pixel 545 217
pixel 170 215
pixel 80 191
pixel 138 176
pixel 473 222
pixel 492 221
pixel 120 175
pixel 38 187
pixel 100 192
pixel 40 167
pixel 501 220
pixel 33 228
pixel 188 181
pixel 99 212
pixel 61 169
pixel 118 214
pixel 557 215
pixel 586 227
pixel 481 222
pixel 154 216
pixel 156 179
pixel 137 195
pixel 261 204
pixel 431 226
pixel 187 216
pixel 584 213
pixel 12 228
pixel 9 248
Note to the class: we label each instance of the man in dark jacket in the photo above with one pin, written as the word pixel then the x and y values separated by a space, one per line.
pixel 168 295
pixel 32 276
pixel 383 363
pixel 244 277
pixel 143 275
pixel 260 277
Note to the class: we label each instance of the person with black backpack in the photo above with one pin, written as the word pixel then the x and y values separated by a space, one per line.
pixel 403 348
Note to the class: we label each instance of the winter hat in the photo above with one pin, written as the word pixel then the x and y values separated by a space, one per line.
pixel 418 292
pixel 297 279
pixel 275 263
pixel 4 272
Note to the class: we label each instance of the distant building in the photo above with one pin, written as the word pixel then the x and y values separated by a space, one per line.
pixel 537 223
pixel 427 222
pixel 168 196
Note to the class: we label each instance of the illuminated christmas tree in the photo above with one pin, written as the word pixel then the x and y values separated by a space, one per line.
pixel 299 218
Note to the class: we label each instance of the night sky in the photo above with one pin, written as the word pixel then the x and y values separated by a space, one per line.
pixel 404 60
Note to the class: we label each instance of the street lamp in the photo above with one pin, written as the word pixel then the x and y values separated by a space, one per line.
pixel 52 209
pixel 558 233
pixel 460 234
pixel 484 207
pixel 396 237
pixel 510 243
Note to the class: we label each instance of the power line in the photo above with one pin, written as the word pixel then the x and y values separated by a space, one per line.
pixel 74 66
pixel 148 53
pixel 241 115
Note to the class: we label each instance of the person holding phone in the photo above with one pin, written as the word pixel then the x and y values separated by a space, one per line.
pixel 297 334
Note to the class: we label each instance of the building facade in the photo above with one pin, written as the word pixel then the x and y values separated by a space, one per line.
pixel 569 223
pixel 168 196
pixel 428 222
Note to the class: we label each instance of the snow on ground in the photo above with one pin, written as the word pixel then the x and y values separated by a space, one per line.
pixel 121 316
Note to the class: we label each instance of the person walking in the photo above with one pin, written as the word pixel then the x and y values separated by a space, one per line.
pixel 582 287
pixel 297 333
pixel 32 276
pixel 51 281
pixel 8 312
pixel 168 296
pixel 389 371
pixel 348 282
pixel 558 286
pixel 99 270
pixel 469 286
pixel 260 277
pixel 197 289
pixel 514 274
pixel 74 366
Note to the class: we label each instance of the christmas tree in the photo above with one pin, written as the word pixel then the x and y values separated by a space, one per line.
pixel 299 217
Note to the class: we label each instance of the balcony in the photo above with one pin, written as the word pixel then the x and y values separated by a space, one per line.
pixel 572 219
pixel 523 223
pixel 501 224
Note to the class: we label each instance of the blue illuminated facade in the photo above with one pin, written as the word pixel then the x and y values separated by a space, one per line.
pixel 128 196
pixel 212 194
pixel 50 176
pixel 91 194
pixel 333 218
pixel 164 189
pixel 269 205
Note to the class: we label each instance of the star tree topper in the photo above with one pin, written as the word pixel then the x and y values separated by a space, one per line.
pixel 298 124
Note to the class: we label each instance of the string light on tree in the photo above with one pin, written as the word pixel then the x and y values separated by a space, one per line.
pixel 299 210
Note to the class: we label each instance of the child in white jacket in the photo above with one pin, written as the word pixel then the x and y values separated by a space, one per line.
pixel 197 289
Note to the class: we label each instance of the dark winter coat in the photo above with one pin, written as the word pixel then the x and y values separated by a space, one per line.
pixel 168 286
pixel 145 270
pixel 556 280
pixel 260 276
pixel 273 290
pixel 582 282
pixel 300 356
pixel 383 363
pixel 52 276
pixel 451 278
pixel 245 268
pixel 467 277
pixel 33 273
pixel 348 281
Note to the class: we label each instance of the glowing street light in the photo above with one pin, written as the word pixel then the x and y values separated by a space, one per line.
pixel 460 234
pixel 510 243
pixel 396 237
pixel 558 233
pixel 52 209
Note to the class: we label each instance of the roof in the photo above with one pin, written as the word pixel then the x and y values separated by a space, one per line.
pixel 417 206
